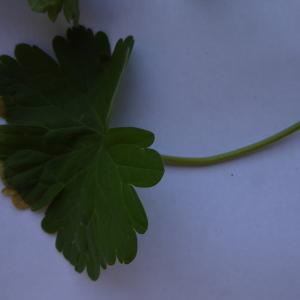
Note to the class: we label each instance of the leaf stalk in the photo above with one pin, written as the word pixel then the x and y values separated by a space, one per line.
pixel 231 155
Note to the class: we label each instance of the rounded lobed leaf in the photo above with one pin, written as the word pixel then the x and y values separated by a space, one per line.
pixel 59 152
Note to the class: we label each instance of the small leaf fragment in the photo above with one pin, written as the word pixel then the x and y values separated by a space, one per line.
pixel 54 7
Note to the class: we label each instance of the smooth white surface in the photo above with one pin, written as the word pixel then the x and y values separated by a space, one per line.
pixel 206 76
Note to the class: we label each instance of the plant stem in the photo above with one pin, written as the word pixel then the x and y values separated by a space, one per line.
pixel 219 158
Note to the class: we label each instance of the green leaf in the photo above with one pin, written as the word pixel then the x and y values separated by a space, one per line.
pixel 54 7
pixel 59 152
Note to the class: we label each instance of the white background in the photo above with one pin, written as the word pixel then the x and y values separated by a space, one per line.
pixel 206 76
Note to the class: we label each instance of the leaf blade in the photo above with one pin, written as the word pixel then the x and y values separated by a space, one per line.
pixel 59 152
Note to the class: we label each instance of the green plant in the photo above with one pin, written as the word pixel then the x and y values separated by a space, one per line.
pixel 54 7
pixel 59 153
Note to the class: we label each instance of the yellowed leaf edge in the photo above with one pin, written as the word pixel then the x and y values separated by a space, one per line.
pixel 16 198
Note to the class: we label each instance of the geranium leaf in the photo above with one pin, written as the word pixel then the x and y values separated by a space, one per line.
pixel 59 152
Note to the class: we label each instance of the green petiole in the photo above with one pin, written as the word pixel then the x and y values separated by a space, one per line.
pixel 226 156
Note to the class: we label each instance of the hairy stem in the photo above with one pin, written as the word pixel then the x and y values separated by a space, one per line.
pixel 219 158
